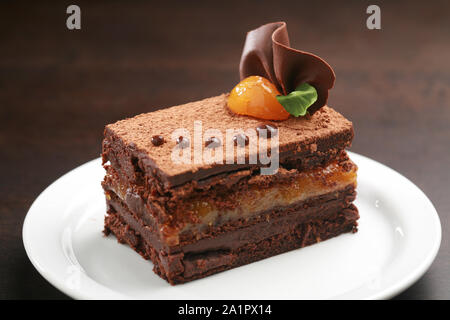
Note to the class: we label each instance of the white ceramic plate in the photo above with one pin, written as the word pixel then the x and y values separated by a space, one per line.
pixel 398 238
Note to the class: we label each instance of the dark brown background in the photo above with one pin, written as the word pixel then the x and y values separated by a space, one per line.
pixel 58 88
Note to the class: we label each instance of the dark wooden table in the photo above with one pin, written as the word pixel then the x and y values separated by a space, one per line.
pixel 58 88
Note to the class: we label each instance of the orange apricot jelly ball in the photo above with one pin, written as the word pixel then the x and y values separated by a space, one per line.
pixel 256 96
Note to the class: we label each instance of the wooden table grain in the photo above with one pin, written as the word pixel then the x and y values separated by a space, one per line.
pixel 59 87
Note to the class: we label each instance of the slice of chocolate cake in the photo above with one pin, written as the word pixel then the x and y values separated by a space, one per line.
pixel 201 188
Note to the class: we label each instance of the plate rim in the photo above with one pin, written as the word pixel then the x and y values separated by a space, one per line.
pixel 389 292
pixel 425 264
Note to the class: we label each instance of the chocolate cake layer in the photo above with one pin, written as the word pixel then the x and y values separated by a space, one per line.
pixel 217 207
pixel 216 237
pixel 194 261
pixel 303 142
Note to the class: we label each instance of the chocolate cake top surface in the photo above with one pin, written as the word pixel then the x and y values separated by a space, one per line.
pixel 296 136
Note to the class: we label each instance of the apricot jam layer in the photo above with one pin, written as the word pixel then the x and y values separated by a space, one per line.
pixel 305 185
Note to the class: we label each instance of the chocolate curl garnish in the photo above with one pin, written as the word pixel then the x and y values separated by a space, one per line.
pixel 267 53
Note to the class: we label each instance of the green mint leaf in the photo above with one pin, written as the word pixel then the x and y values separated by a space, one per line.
pixel 298 101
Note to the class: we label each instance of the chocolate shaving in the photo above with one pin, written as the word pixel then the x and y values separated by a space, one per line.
pixel 267 53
